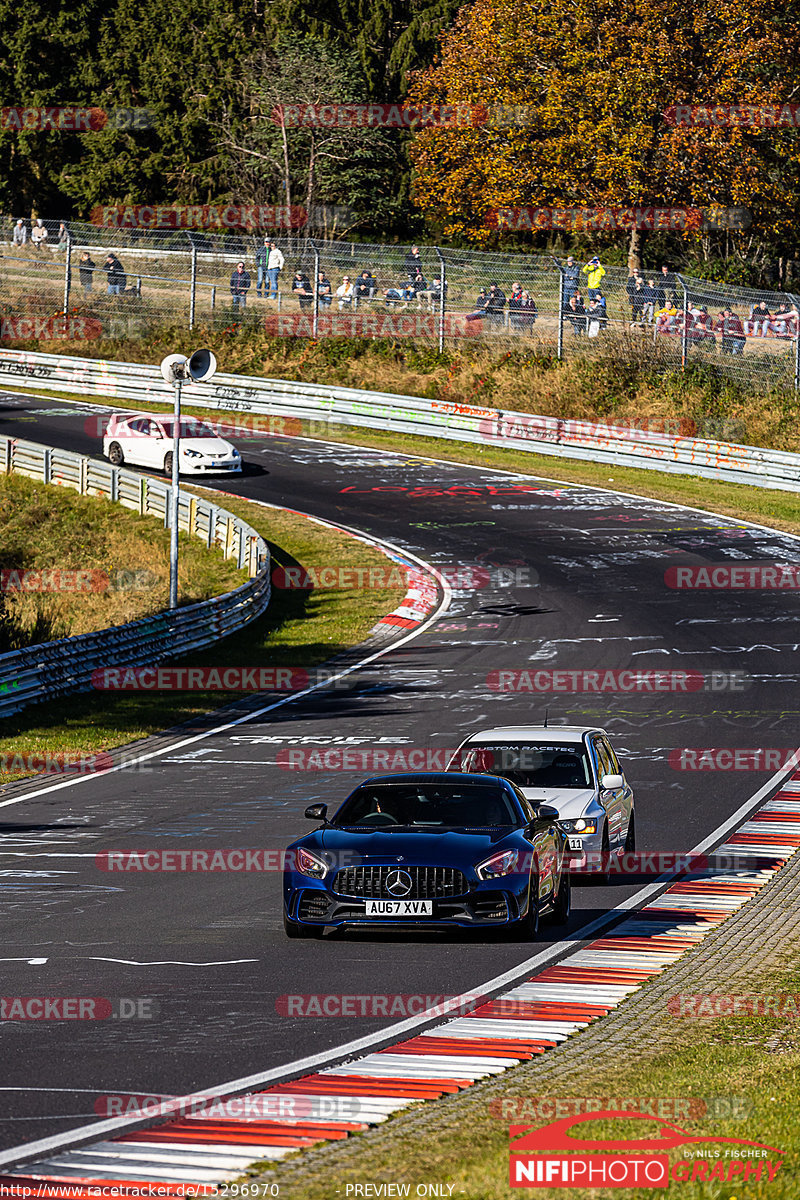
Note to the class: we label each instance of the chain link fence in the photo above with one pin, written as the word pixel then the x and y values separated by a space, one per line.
pixel 96 281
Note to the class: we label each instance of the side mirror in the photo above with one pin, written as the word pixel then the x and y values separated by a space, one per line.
pixel 316 812
pixel 610 783
pixel 547 812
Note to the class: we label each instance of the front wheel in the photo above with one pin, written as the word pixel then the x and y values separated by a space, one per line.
pixel 168 463
pixel 295 929
pixel 527 929
pixel 630 838
pixel 563 902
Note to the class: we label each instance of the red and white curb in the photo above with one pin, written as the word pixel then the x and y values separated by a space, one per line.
pixel 528 1020
pixel 418 603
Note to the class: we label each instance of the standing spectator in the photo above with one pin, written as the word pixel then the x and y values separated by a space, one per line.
pixel 20 234
pixel 117 280
pixel 516 293
pixel 240 285
pixel 274 267
pixel 594 276
pixel 64 238
pixel 324 290
pixel 667 281
pixel 659 293
pixel 345 292
pixel 262 258
pixel 648 299
pixel 730 327
pixel 39 233
pixel 413 262
pixel 638 301
pixel 85 271
pixel 366 286
pixel 572 276
pixel 495 303
pixel 301 286
pixel 576 314
pixel 630 286
pixel 514 305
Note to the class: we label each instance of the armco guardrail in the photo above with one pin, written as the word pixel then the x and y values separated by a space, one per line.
pixel 52 669
pixel 409 414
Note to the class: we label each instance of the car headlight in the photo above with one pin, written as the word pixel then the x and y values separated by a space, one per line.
pixel 579 826
pixel 499 864
pixel 310 864
pixel 234 453
pixel 193 454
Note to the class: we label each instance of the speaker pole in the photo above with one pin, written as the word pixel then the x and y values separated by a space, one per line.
pixel 175 497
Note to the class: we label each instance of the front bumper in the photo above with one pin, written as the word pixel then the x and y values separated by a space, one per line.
pixel 481 906
pixel 195 467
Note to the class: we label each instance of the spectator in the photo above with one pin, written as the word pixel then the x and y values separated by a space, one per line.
pixel 64 238
pixel 630 286
pixel 638 302
pixel 516 294
pixel 432 294
pixel 86 269
pixel 594 276
pixel 648 299
pixel 38 233
pixel 413 262
pixel 275 263
pixel 659 293
pixel 117 280
pixel 783 320
pixel 415 284
pixel 324 290
pixel 345 292
pixel 667 281
pixel 479 310
pixel 576 314
pixel 572 275
pixel 525 312
pixel 495 303
pixel 699 326
pixel 366 286
pixel 240 286
pixel 20 234
pixel 730 327
pixel 596 315
pixel 301 286
pixel 760 316
pixel 262 259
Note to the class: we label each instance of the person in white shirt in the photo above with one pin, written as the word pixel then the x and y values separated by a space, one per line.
pixel 38 233
pixel 274 268
pixel 345 292
pixel 20 235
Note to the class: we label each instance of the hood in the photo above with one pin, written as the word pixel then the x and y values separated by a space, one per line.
pixel 209 447
pixel 570 802
pixel 445 847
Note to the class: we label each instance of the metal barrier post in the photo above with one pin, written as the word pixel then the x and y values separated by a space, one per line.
pixel 560 344
pixel 442 290
pixel 685 330
pixel 315 318
pixel 193 293
pixel 173 533
pixel 796 304
pixel 67 274
pixel 213 297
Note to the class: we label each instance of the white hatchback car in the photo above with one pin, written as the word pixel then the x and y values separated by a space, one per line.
pixel 145 440
pixel 574 769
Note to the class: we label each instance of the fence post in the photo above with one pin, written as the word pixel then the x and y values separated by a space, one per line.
pixel 315 319
pixel 193 295
pixel 560 344
pixel 685 330
pixel 796 304
pixel 213 297
pixel 442 290
pixel 67 274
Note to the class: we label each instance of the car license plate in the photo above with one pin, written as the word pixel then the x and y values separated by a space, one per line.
pixel 575 843
pixel 399 908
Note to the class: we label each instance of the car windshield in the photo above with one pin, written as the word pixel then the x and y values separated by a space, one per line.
pixel 540 765
pixel 428 806
pixel 189 429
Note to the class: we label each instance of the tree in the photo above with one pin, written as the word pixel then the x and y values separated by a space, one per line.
pixel 596 78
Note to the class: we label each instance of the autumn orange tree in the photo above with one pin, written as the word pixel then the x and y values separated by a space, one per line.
pixel 596 77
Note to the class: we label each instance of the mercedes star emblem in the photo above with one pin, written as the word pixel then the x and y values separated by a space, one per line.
pixel 398 883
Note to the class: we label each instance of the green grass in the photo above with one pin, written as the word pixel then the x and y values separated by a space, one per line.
pixel 300 629
pixel 749 1064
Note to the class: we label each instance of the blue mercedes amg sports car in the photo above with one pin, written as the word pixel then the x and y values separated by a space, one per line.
pixel 428 850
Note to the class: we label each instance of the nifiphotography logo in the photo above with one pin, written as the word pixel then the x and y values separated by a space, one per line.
pixel 635 1162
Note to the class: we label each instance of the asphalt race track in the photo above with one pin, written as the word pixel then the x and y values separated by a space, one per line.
pixel 574 579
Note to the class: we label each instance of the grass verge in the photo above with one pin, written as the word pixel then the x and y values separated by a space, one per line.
pixel 300 629
pixel 745 1068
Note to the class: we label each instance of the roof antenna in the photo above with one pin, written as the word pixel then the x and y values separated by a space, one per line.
pixel 546 711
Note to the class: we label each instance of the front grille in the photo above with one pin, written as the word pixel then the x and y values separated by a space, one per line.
pixel 427 883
